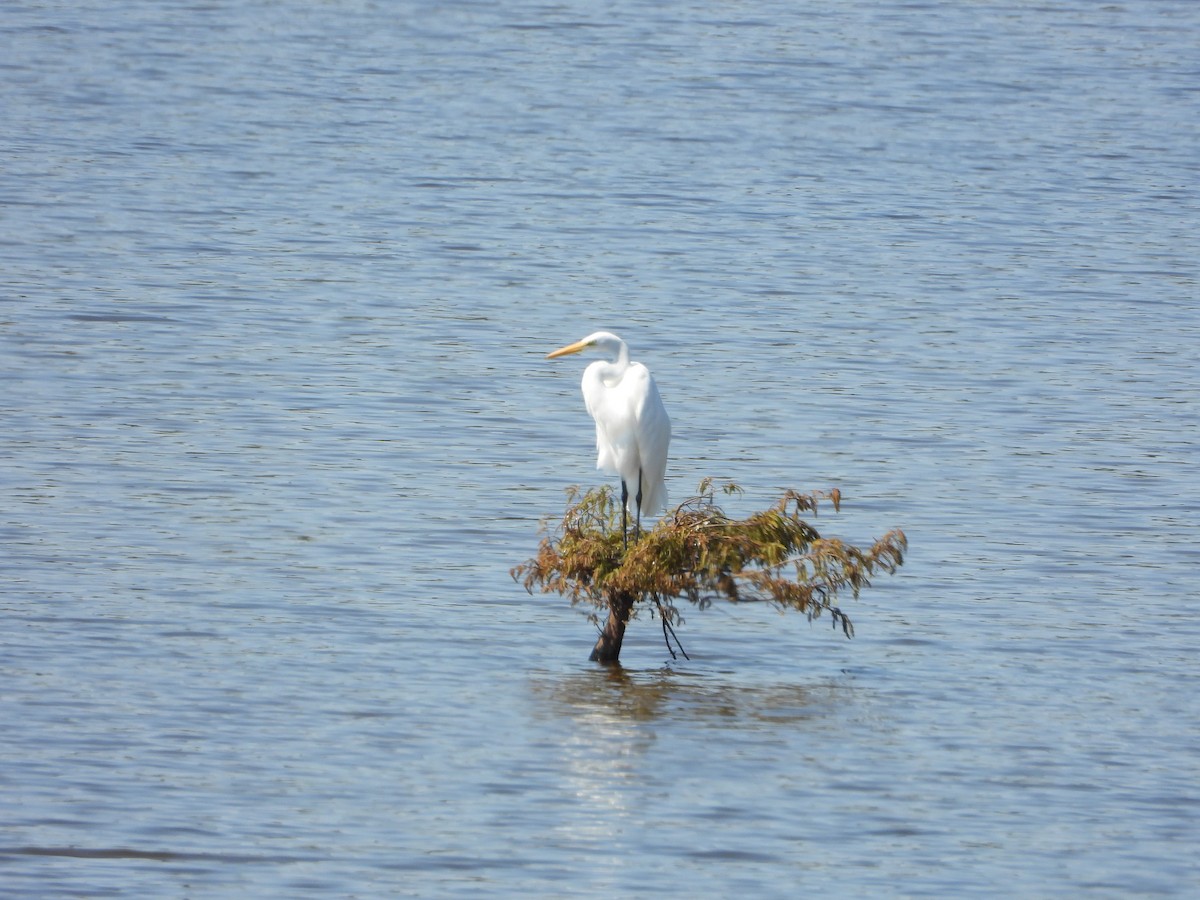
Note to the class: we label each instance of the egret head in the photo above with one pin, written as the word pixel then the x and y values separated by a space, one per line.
pixel 603 342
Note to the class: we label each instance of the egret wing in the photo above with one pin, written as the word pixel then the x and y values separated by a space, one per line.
pixel 653 430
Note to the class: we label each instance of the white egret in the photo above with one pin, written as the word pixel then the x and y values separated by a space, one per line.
pixel 632 428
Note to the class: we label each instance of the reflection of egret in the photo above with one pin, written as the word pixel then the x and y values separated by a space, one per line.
pixel 632 428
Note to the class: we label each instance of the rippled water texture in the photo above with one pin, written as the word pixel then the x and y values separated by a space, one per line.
pixel 277 284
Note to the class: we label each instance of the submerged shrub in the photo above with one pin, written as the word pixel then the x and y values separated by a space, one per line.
pixel 696 553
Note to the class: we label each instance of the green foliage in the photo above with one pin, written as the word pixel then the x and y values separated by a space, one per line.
pixel 697 553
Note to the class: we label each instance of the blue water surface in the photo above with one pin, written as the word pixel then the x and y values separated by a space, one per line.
pixel 277 285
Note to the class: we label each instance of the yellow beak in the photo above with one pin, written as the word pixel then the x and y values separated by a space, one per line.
pixel 570 348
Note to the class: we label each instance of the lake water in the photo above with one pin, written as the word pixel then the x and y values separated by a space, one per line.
pixel 277 284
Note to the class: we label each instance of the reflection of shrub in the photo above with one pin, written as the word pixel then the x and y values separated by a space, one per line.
pixel 699 554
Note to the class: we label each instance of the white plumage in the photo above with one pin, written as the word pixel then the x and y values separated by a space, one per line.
pixel 632 427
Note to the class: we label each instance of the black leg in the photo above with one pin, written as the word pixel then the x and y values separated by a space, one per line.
pixel 637 528
pixel 624 515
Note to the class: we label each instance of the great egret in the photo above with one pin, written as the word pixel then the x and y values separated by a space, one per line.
pixel 632 428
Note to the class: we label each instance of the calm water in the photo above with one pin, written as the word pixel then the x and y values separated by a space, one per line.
pixel 277 284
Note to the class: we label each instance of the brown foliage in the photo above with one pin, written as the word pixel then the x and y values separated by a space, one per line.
pixel 699 554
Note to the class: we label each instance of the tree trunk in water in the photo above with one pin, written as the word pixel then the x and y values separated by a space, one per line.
pixel 608 645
